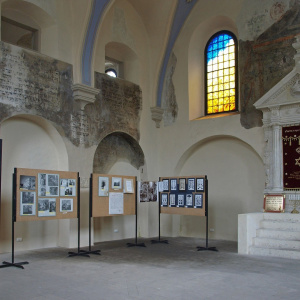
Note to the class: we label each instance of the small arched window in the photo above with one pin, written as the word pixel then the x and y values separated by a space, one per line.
pixel 221 86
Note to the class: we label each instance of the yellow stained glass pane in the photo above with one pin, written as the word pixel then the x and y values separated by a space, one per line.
pixel 215 88
pixel 221 66
pixel 215 109
pixel 232 106
pixel 221 73
pixel 215 95
pixel 232 92
pixel 226 100
pixel 209 75
pixel 232 85
pixel 215 67
pixel 210 96
pixel 215 102
pixel 225 58
pixel 232 99
pixel 226 86
pixel 226 64
pixel 226 79
pixel 221 94
pixel 209 103
pixel 231 49
pixel 215 81
pixel 232 71
pixel 232 63
pixel 221 101
pixel 209 68
pixel 226 107
pixel 232 78
pixel 221 108
pixel 226 71
pixel 209 110
pixel 209 89
pixel 226 93
pixel 209 82
pixel 215 74
pixel 221 87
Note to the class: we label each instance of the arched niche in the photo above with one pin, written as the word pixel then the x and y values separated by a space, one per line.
pixel 36 16
pixel 199 38
pixel 235 175
pixel 117 154
pixel 117 147
pixel 29 142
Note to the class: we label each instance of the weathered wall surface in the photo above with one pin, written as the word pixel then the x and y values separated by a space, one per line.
pixel 267 58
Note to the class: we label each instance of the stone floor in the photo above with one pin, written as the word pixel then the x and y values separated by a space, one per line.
pixel 157 271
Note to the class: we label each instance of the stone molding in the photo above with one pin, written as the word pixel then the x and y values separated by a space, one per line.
pixel 83 95
pixel 157 115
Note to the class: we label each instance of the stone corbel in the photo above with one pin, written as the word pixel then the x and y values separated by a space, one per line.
pixel 83 95
pixel 157 115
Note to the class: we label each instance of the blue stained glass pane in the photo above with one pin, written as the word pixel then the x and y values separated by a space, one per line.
pixel 219 43
pixel 215 46
pixel 209 48
pixel 209 56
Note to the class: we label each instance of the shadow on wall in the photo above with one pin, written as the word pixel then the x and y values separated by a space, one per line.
pixel 236 181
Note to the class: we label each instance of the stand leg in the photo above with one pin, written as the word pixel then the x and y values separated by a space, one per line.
pixel 159 241
pixel 19 265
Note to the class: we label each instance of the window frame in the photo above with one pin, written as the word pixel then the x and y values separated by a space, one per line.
pixel 231 34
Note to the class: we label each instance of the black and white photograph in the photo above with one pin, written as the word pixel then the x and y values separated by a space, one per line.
pixel 52 191
pixel 46 207
pixel 172 200
pixel 198 200
pixel 103 186
pixel 173 182
pixel 191 184
pixel 189 200
pixel 52 179
pixel 200 184
pixel 68 187
pixel 165 185
pixel 128 186
pixel 41 184
pixel 164 199
pixel 66 205
pixel 116 183
pixel 148 191
pixel 182 184
pixel 27 210
pixel 27 182
pixel 180 200
pixel 27 197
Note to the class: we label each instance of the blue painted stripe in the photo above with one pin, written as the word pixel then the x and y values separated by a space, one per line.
pixel 86 61
pixel 182 11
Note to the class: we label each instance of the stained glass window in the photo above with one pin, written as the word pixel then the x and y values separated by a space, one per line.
pixel 221 73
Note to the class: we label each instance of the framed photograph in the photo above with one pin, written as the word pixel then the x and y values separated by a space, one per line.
pixel 116 183
pixel 66 205
pixel 27 204
pixel 274 203
pixel 148 191
pixel 173 183
pixel 200 184
pixel 165 185
pixel 128 186
pixel 180 202
pixel 189 200
pixel 198 200
pixel 182 184
pixel 164 199
pixel 68 187
pixel 46 207
pixel 191 184
pixel 42 185
pixel 103 186
pixel 27 182
pixel 52 185
pixel 172 200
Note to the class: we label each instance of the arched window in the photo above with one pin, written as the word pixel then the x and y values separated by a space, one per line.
pixel 221 86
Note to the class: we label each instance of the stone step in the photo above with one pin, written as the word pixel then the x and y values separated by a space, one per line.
pixel 283 253
pixel 278 234
pixel 280 225
pixel 276 243
pixel 284 217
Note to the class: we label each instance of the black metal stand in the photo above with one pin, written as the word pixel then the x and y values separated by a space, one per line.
pixel 136 244
pixel 206 215
pixel 159 241
pixel 6 264
pixel 90 251
pixel 79 252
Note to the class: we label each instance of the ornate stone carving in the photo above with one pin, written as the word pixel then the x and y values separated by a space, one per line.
pixel 157 115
